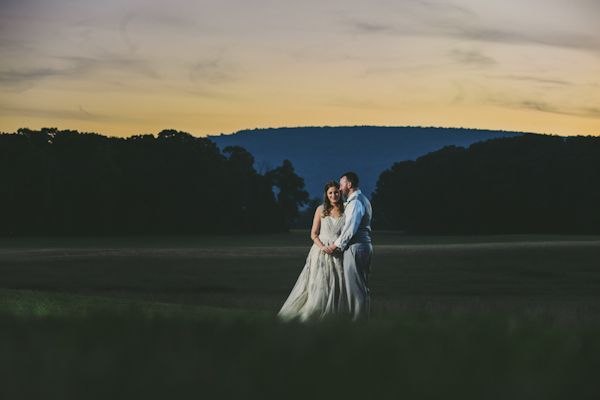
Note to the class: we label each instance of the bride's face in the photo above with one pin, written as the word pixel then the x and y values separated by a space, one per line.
pixel 333 194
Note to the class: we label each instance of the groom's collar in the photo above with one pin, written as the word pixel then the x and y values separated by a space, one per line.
pixel 354 194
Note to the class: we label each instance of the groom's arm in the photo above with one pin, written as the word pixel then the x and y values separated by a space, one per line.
pixel 353 214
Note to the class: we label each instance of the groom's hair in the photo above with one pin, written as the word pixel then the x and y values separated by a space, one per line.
pixel 352 178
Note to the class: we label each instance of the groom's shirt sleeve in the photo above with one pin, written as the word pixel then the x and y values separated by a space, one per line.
pixel 353 214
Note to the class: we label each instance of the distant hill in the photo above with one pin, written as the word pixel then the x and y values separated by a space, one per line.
pixel 319 154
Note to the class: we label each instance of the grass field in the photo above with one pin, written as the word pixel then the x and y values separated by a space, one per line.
pixel 557 277
pixel 499 317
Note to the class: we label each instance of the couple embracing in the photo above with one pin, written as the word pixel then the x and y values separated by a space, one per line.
pixel 335 278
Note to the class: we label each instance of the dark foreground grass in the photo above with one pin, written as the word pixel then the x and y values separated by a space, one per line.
pixel 118 350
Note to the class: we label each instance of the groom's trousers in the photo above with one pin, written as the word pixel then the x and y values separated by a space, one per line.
pixel 357 267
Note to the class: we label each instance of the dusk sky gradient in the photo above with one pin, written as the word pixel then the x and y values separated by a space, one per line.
pixel 127 67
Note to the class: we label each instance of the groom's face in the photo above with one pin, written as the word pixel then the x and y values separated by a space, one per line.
pixel 344 186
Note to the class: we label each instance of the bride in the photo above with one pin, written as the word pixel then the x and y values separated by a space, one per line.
pixel 320 289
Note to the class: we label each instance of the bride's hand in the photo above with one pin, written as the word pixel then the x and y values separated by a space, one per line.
pixel 327 249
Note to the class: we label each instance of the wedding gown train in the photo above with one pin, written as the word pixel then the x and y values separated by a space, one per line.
pixel 319 290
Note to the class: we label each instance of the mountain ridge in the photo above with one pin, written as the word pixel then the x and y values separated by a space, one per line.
pixel 319 154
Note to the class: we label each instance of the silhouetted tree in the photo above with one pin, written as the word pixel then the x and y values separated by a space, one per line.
pixel 291 194
pixel 250 200
pixel 525 184
pixel 65 182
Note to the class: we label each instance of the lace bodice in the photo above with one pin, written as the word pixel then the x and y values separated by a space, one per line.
pixel 330 229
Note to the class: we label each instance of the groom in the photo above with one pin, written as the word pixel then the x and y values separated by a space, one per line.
pixel 355 242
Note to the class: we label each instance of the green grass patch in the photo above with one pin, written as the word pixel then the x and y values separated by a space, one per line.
pixel 28 303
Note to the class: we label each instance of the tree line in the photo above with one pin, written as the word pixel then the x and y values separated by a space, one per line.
pixel 524 184
pixel 69 183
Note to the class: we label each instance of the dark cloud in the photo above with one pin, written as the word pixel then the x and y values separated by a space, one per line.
pixel 540 106
pixel 533 79
pixel 544 106
pixel 370 27
pixel 473 57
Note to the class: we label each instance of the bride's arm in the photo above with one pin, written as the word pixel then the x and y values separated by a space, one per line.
pixel 316 227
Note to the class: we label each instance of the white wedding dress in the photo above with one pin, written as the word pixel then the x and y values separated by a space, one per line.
pixel 320 289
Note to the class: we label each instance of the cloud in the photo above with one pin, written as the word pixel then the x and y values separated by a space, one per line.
pixel 21 80
pixel 405 18
pixel 544 106
pixel 477 22
pixel 213 71
pixel 124 34
pixel 473 57
pixel 13 76
pixel 78 115
pixel 591 112
pixel 474 32
pixel 534 79
pixel 111 62
pixel 539 106
pixel 77 68
pixel 370 27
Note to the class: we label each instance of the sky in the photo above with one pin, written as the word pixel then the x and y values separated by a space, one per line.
pixel 206 67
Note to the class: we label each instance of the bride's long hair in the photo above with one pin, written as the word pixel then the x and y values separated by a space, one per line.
pixel 327 206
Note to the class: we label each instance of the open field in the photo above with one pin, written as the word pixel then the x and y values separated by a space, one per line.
pixel 194 317
pixel 557 277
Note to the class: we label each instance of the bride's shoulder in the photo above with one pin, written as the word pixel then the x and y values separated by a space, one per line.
pixel 320 211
